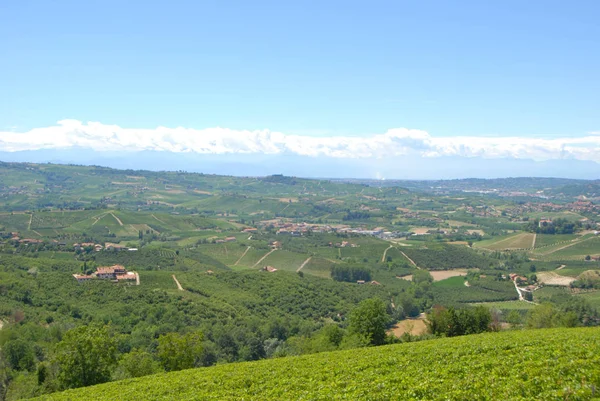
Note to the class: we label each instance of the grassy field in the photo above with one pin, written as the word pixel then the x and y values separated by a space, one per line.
pixel 452 282
pixel 570 250
pixel 516 241
pixel 543 240
pixel 555 364
pixel 592 297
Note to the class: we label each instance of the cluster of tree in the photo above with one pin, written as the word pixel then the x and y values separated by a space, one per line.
pixel 355 215
pixel 450 322
pixel 350 274
pixel 558 226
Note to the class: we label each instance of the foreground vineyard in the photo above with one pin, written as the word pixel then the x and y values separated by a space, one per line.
pixel 555 364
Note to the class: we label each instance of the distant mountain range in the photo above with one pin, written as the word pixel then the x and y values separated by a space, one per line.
pixel 409 167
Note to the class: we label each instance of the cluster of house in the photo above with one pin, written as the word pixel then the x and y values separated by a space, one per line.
pixel 579 206
pixel 109 246
pixel 116 273
pixel 298 229
pixel 343 244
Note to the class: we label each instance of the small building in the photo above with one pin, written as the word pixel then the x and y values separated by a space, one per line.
pixel 275 244
pixel 230 239
pixel 114 247
pixel 360 281
pixel 129 276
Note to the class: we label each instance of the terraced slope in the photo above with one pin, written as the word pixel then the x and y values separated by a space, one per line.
pixel 557 364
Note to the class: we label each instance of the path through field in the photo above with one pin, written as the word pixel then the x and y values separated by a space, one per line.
pixel 30 220
pixel 533 242
pixel 159 220
pixel 561 267
pixel 98 218
pixel 264 257
pixel 179 287
pixel 410 260
pixel 243 254
pixel 116 218
pixel 303 264
pixel 137 278
pixel 385 252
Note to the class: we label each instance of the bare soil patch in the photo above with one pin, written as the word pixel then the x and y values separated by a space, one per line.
pixel 551 278
pixel 415 327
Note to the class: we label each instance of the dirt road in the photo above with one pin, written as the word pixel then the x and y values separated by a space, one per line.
pixel 116 218
pixel 241 257
pixel 264 257
pixel 179 287
pixel 303 264
pixel 385 252
pixel 410 260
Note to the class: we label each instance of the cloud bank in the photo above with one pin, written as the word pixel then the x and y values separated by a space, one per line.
pixel 73 134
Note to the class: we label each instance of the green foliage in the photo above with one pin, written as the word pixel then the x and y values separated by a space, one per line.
pixel 422 276
pixel 137 363
pixel 19 354
pixel 512 365
pixel 350 274
pixel 85 356
pixel 452 322
pixel 180 351
pixel 369 320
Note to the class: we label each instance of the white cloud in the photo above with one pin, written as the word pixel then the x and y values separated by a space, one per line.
pixel 395 142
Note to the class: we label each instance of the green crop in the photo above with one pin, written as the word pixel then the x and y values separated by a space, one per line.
pixel 557 364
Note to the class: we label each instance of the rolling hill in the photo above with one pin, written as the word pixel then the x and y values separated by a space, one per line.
pixel 556 364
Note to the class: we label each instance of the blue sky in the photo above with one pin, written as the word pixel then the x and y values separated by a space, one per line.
pixel 526 69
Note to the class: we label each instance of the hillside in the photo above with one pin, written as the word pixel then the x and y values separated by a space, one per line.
pixel 555 364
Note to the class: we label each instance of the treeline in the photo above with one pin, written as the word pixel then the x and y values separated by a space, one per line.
pixel 350 274
pixel 558 226
pixel 458 322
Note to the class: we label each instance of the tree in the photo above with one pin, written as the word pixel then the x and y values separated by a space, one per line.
pixel 19 354
pixel 138 363
pixel 369 320
pixel 85 356
pixel 422 276
pixel 180 351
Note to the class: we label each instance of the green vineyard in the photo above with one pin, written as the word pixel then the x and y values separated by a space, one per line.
pixel 557 364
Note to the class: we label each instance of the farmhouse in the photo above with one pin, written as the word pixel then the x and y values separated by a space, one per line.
pixel 110 272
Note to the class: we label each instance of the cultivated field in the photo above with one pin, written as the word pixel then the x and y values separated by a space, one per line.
pixel 552 278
